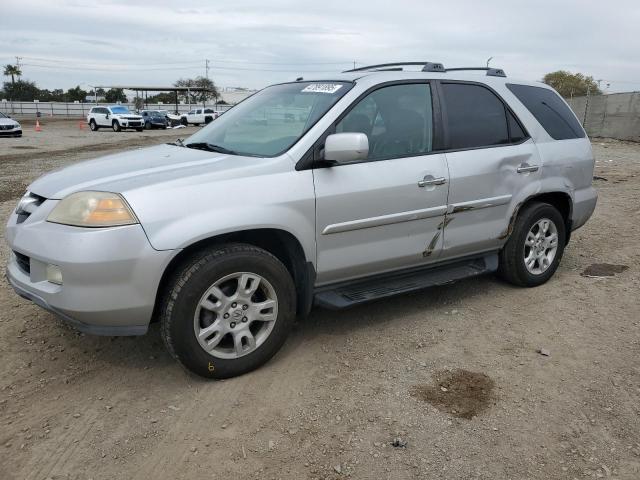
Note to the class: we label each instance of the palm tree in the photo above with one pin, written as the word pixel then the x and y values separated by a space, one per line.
pixel 12 71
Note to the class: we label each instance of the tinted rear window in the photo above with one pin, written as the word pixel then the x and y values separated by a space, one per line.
pixel 549 109
pixel 475 116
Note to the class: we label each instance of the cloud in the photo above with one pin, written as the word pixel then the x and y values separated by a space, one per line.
pixel 75 41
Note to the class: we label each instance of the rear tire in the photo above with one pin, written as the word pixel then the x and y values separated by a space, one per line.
pixel 116 126
pixel 205 293
pixel 184 122
pixel 534 250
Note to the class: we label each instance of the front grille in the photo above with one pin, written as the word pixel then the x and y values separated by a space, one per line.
pixel 7 127
pixel 23 262
pixel 28 204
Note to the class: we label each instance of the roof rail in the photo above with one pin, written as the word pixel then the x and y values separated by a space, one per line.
pixel 426 66
pixel 491 72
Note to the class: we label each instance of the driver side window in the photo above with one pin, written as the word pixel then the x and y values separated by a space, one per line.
pixel 397 120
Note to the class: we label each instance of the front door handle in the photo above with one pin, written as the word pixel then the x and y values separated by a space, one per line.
pixel 430 180
pixel 524 168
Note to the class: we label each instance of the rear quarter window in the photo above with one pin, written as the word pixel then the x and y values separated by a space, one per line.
pixel 550 110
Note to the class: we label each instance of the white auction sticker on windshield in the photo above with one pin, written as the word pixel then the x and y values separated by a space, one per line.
pixel 322 88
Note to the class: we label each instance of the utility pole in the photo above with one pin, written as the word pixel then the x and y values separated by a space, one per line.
pixel 488 60
pixel 206 68
pixel 18 61
pixel 354 64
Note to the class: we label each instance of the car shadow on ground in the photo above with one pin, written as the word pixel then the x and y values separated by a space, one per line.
pixel 148 352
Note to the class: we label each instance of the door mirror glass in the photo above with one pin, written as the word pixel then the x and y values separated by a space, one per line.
pixel 346 147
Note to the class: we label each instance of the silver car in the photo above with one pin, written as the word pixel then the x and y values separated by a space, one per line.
pixel 9 127
pixel 328 192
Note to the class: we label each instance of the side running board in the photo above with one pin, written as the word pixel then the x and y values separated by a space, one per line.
pixel 360 291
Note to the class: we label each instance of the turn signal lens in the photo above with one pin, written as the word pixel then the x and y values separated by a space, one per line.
pixel 93 209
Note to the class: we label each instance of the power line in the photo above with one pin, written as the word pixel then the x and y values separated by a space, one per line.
pixel 140 68
pixel 247 62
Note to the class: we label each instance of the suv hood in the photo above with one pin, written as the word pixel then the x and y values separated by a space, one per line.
pixel 142 168
pixel 8 121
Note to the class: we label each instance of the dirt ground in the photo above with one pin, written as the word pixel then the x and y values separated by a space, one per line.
pixel 476 380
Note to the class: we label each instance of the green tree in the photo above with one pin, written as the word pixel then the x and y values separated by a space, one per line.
pixel 12 71
pixel 210 93
pixel 76 94
pixel 56 95
pixel 21 90
pixel 570 84
pixel 114 95
pixel 164 97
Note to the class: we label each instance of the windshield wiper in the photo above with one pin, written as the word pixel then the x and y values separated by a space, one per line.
pixel 210 147
pixel 177 143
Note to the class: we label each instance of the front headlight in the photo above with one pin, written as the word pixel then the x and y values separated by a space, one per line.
pixel 93 209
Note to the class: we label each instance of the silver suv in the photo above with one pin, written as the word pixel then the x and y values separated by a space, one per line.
pixel 329 192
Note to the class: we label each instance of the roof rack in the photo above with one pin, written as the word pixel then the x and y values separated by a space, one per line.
pixel 491 72
pixel 427 67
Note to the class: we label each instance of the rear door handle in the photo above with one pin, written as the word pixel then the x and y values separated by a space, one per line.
pixel 430 180
pixel 527 168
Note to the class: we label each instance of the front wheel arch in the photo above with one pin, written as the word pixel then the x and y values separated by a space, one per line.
pixel 280 243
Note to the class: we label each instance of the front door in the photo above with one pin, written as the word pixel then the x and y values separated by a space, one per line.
pixel 387 212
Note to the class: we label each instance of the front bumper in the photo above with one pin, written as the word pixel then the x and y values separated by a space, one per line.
pixel 131 123
pixel 110 275
pixel 14 132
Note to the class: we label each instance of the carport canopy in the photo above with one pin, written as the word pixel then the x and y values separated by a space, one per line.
pixel 146 89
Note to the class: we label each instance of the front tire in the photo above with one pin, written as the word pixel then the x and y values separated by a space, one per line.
pixel 116 126
pixel 534 250
pixel 93 125
pixel 227 310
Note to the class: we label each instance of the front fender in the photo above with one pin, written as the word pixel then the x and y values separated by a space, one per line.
pixel 179 217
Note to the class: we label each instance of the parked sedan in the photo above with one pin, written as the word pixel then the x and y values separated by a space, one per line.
pixel 9 127
pixel 154 119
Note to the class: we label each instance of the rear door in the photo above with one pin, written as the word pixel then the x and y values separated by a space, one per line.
pixel 386 212
pixel 492 164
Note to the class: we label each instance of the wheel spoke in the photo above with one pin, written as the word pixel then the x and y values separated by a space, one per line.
pixel 531 239
pixel 544 226
pixel 530 261
pixel 248 284
pixel 259 311
pixel 215 331
pixel 552 240
pixel 244 341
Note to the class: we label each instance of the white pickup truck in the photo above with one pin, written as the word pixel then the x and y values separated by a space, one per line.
pixel 198 116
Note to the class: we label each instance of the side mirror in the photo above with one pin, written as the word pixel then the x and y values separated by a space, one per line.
pixel 346 147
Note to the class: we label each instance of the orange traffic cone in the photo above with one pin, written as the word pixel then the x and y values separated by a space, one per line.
pixel 38 128
pixel 81 125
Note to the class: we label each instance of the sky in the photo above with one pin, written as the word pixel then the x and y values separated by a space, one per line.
pixel 252 43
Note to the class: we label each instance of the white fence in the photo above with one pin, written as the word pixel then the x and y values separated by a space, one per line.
pixel 64 109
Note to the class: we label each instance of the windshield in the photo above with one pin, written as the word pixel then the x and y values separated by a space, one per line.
pixel 271 121
pixel 2 115
pixel 119 109
pixel 155 113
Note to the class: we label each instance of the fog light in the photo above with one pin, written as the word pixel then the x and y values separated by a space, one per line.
pixel 54 274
